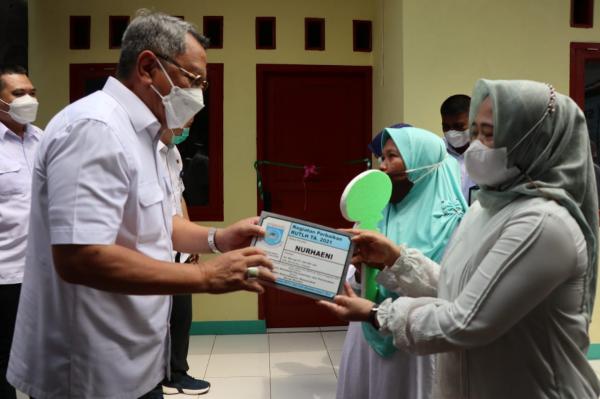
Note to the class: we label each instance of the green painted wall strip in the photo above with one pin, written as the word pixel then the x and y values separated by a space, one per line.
pixel 228 327
pixel 594 352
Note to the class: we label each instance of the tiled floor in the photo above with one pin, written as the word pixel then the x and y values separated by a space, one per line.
pixel 268 366
pixel 301 365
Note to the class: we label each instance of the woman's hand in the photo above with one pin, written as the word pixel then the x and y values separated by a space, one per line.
pixel 349 307
pixel 373 248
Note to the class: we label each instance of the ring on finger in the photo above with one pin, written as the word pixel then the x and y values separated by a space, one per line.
pixel 252 272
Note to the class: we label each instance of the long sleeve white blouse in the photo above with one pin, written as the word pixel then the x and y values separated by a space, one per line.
pixel 504 308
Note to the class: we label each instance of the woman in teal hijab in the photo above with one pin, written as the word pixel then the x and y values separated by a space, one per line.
pixel 425 208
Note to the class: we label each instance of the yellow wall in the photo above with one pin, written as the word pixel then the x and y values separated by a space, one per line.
pixel 427 50
pixel 49 57
pixel 424 51
pixel 446 46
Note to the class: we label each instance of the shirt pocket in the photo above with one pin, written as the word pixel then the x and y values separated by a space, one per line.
pixel 151 223
pixel 11 180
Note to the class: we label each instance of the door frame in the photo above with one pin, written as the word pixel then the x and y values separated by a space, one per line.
pixel 263 71
pixel 579 54
pixel 213 211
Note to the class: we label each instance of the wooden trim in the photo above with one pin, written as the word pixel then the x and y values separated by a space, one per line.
pixel 355 26
pixel 207 20
pixel 579 54
pixel 80 32
pixel 114 41
pixel 213 211
pixel 589 14
pixel 272 21
pixel 321 23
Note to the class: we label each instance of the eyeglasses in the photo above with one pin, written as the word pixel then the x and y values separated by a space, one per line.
pixel 195 80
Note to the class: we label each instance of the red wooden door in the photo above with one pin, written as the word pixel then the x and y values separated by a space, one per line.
pixel 309 116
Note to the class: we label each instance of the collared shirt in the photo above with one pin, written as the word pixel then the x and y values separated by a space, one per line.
pixel 16 164
pixel 465 181
pixel 97 180
pixel 171 159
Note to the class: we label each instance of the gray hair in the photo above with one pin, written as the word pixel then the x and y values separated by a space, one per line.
pixel 155 31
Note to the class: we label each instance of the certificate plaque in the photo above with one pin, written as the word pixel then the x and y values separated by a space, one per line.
pixel 309 259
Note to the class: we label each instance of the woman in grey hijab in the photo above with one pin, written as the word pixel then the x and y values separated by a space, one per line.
pixel 508 308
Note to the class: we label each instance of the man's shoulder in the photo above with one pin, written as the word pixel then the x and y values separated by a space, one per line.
pixel 94 110
pixel 98 106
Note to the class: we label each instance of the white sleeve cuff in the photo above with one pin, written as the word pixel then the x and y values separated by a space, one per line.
pixel 413 274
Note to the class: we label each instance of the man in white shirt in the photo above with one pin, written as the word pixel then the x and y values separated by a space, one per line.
pixel 181 311
pixel 18 143
pixel 455 125
pixel 95 302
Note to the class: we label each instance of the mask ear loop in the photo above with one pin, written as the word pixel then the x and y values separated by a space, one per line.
pixel 549 110
pixel 168 78
pixel 165 72
pixel 432 168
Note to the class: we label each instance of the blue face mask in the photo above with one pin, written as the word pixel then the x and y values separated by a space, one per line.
pixel 180 139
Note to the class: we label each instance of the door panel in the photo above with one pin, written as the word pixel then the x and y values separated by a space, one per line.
pixel 309 115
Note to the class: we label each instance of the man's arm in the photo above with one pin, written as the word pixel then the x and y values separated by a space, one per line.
pixel 118 269
pixel 190 237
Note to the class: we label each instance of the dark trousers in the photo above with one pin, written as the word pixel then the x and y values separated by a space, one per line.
pixel 9 300
pixel 181 322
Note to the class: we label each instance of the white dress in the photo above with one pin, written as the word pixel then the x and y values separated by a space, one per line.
pixel 363 374
pixel 507 321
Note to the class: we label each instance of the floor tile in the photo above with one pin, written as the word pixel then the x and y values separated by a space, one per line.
pixel 335 357
pixel 334 340
pixel 198 365
pixel 238 365
pixel 238 387
pixel 334 328
pixel 296 342
pixel 303 387
pixel 201 344
pixel 300 363
pixel 252 343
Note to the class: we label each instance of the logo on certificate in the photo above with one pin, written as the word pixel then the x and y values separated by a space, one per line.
pixel 273 235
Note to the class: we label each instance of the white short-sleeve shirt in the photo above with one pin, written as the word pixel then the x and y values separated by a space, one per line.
pixel 97 180
pixel 171 159
pixel 465 180
pixel 16 164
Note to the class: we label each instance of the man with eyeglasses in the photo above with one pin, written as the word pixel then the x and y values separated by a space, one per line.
pixel 95 300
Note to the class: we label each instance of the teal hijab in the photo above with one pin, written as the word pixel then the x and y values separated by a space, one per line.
pixel 546 137
pixel 426 218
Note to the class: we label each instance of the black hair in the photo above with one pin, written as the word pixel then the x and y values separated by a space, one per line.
pixel 10 70
pixel 455 105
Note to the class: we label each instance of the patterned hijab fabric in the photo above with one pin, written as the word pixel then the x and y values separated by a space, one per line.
pixel 546 137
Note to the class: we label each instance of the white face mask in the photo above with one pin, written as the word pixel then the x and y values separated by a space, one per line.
pixel 457 138
pixel 181 104
pixel 22 109
pixel 487 166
